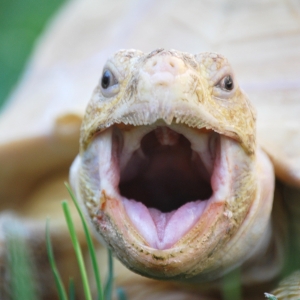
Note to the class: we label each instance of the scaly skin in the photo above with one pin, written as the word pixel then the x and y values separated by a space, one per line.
pixel 181 93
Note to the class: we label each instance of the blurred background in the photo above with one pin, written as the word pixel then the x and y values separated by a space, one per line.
pixel 21 23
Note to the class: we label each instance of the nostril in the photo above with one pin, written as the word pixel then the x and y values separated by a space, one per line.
pixel 169 66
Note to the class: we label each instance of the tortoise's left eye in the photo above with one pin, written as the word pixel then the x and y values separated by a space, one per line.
pixel 226 83
pixel 109 83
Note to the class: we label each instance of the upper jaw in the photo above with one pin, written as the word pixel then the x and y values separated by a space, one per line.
pixel 186 96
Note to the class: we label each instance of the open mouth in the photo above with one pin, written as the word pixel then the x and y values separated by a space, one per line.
pixel 165 175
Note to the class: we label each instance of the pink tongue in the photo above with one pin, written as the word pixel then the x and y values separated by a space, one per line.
pixel 163 230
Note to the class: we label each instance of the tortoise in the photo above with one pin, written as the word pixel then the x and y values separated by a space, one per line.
pixel 260 40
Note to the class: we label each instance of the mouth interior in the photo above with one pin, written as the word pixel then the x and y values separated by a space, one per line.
pixel 165 173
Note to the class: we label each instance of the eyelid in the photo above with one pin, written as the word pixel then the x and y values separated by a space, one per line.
pixel 111 66
pixel 220 74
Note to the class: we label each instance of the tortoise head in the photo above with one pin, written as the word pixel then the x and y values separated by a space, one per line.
pixel 168 172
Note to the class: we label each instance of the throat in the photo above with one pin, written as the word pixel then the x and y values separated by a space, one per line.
pixel 166 173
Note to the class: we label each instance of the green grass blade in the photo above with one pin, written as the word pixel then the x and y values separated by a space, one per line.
pixel 231 286
pixel 71 289
pixel 90 245
pixel 77 249
pixel 109 284
pixel 59 284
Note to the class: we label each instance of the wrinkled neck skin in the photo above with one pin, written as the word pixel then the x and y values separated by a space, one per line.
pixel 169 174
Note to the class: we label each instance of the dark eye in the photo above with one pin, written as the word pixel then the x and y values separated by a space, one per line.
pixel 109 83
pixel 227 83
pixel 108 79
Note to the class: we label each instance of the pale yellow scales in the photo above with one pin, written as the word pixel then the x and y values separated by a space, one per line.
pixel 157 99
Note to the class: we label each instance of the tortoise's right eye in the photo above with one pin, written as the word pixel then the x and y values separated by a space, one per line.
pixel 108 79
pixel 109 83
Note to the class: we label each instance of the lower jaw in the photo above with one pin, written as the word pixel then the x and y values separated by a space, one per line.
pixel 150 231
pixel 198 252
pixel 175 262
